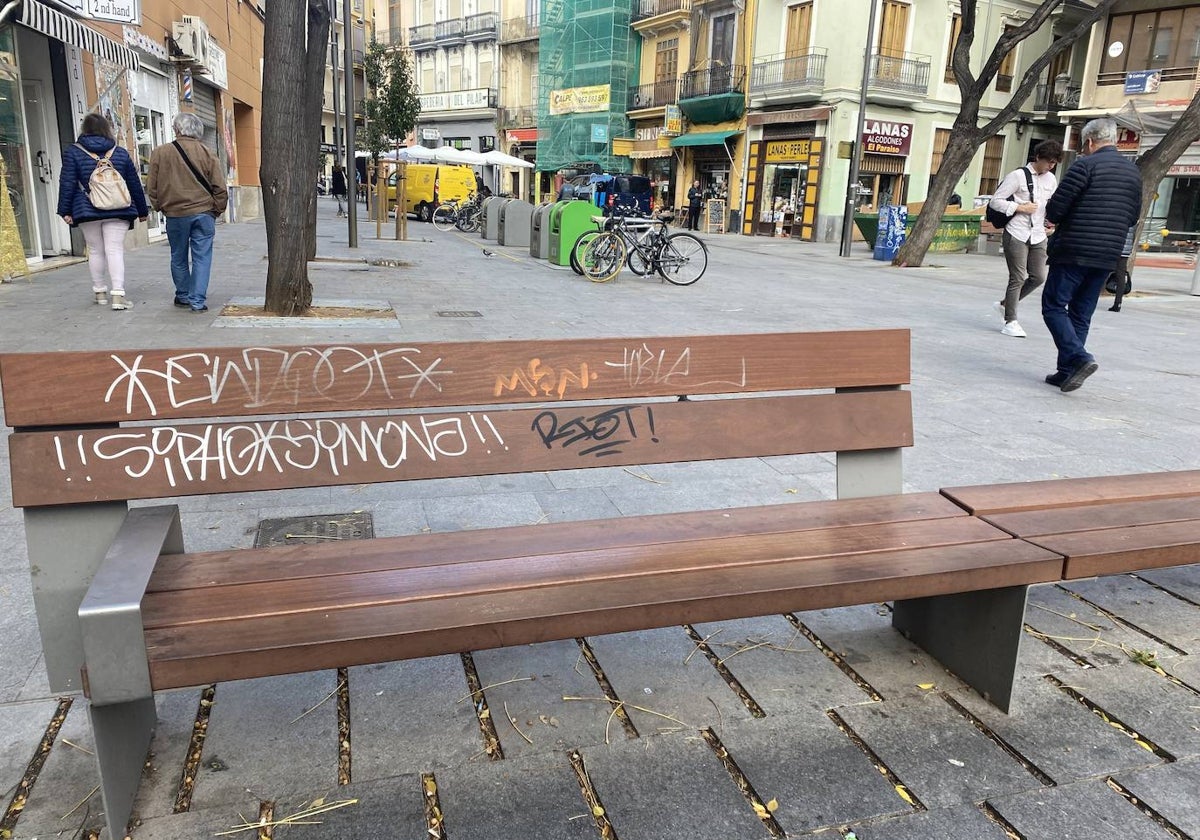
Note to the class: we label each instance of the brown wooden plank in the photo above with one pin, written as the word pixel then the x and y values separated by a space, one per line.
pixel 1064 520
pixel 727 556
pixel 1066 492
pixel 256 647
pixel 219 568
pixel 61 388
pixel 1116 550
pixel 143 462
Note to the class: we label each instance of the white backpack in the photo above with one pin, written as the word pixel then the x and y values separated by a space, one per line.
pixel 106 189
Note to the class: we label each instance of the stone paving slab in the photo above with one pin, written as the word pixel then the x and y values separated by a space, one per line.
pixel 67 778
pixel 1149 609
pixel 965 821
pixel 387 808
pixel 18 628
pixel 814 771
pixel 1181 580
pixel 941 758
pixel 405 717
pixel 664 787
pixel 22 726
pixel 168 753
pixel 1170 790
pixel 1088 810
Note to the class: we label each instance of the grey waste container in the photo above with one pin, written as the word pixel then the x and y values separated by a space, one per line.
pixel 516 223
pixel 489 222
pixel 539 234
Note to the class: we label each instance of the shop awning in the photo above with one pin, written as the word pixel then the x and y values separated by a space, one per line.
pixel 645 154
pixel 60 27
pixel 702 138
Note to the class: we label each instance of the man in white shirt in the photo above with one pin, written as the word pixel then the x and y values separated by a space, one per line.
pixel 1025 234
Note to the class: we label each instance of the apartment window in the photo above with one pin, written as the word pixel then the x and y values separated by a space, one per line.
pixel 941 140
pixel 666 60
pixel 426 11
pixel 1004 77
pixel 1167 39
pixel 534 85
pixel 955 29
pixel 993 155
pixel 428 85
pixel 893 33
pixel 799 29
pixel 455 9
pixel 456 77
pixel 485 72
pixel 722 39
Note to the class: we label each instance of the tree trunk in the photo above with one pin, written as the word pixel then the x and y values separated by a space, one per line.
pixel 1156 162
pixel 289 152
pixel 316 58
pixel 955 161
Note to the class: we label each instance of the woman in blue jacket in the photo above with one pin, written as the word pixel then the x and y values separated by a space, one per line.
pixel 104 230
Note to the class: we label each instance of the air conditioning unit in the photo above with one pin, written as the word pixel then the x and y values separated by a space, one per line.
pixel 191 36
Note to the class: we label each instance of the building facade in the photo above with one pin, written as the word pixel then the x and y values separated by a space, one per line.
pixel 139 64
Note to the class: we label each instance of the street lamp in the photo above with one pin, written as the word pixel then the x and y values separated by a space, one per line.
pixel 856 155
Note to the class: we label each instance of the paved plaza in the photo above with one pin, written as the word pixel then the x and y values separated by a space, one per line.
pixel 820 723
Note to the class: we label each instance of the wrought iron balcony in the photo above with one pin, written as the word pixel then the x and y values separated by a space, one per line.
pixel 643 9
pixel 906 73
pixel 725 78
pixel 789 70
pixel 520 28
pixel 445 30
pixel 1046 99
pixel 654 95
pixel 483 26
pixel 422 34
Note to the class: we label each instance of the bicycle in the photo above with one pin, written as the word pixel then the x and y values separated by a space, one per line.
pixel 449 215
pixel 679 258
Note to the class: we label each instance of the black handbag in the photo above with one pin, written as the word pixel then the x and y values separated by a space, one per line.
pixel 999 220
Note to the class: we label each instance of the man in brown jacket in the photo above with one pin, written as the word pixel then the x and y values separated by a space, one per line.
pixel 187 185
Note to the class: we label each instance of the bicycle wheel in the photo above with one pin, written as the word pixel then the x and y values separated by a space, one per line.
pixel 638 263
pixel 577 249
pixel 468 221
pixel 602 257
pixel 683 259
pixel 445 217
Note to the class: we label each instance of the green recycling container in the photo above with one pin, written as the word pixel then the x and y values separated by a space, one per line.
pixel 568 220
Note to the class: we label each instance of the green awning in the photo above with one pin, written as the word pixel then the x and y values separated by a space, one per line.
pixel 702 138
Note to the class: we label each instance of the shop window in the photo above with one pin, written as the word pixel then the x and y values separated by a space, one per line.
pixel 487 142
pixel 1165 39
pixel 1004 77
pixel 458 142
pixel 955 29
pixel 993 156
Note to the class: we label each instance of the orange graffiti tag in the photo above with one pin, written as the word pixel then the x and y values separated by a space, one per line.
pixel 537 379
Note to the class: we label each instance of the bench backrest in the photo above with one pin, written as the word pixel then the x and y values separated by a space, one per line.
pixel 143 424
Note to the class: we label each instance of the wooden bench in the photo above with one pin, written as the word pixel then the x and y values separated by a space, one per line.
pixel 123 611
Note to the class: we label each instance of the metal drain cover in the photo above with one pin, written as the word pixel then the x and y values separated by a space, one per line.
pixel 313 530
pixel 459 313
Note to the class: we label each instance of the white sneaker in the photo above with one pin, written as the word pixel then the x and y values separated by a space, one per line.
pixel 118 302
pixel 101 296
pixel 1012 328
pixel 998 306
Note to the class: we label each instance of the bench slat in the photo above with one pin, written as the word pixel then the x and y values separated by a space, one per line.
pixel 72 466
pixel 1116 550
pixel 726 556
pixel 1096 517
pixel 256 647
pixel 54 389
pixel 1066 492
pixel 220 568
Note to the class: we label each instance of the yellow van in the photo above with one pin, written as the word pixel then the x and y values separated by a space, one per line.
pixel 429 184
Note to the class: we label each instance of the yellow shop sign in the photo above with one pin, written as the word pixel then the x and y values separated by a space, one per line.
pixel 783 151
pixel 580 100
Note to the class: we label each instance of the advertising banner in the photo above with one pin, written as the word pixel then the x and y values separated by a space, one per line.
pixel 881 137
pixel 580 100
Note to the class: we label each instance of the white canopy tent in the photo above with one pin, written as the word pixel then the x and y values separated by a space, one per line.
pixel 499 158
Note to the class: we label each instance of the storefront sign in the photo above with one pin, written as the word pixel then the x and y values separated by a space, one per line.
pixel 431 134
pixel 116 11
pixel 328 149
pixel 783 151
pixel 217 67
pixel 672 121
pixel 599 133
pixel 886 138
pixel 1128 140
pixel 580 100
pixel 650 133
pixel 1142 81
pixel 456 100
pixel 1184 170
pixel 522 135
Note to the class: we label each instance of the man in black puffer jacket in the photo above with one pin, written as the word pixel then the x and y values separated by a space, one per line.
pixel 1097 202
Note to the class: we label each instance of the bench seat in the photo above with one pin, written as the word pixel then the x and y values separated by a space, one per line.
pixel 1102 526
pixel 253 613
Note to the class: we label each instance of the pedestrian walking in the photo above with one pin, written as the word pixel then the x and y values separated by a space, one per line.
pixel 187 185
pixel 99 192
pixel 1096 204
pixel 695 197
pixel 338 189
pixel 1024 240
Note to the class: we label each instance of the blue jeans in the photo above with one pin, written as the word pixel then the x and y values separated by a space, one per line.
pixel 191 236
pixel 1068 300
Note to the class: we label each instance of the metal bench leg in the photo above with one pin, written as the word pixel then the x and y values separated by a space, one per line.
pixel 977 635
pixel 122 732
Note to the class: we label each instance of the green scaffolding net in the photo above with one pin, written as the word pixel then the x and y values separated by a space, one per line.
pixel 586 57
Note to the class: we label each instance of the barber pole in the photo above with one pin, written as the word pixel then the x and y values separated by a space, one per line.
pixel 187 85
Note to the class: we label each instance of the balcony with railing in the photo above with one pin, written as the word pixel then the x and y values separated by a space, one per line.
pixel 653 95
pixel 516 29
pixel 714 94
pixel 1056 97
pixel 422 34
pixel 524 116
pixel 649 14
pixel 898 78
pixel 450 30
pixel 482 27
pixel 789 76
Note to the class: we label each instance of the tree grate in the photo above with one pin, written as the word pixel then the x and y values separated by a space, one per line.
pixel 311 530
pixel 459 313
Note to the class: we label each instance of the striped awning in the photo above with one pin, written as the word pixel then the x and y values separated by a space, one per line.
pixel 54 24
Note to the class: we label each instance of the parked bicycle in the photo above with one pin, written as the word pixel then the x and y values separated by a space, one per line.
pixel 465 217
pixel 642 244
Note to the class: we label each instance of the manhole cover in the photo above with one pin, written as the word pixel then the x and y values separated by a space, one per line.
pixel 312 530
pixel 459 313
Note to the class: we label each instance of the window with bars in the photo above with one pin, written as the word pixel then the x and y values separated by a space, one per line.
pixel 955 29
pixel 1004 77
pixel 993 156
